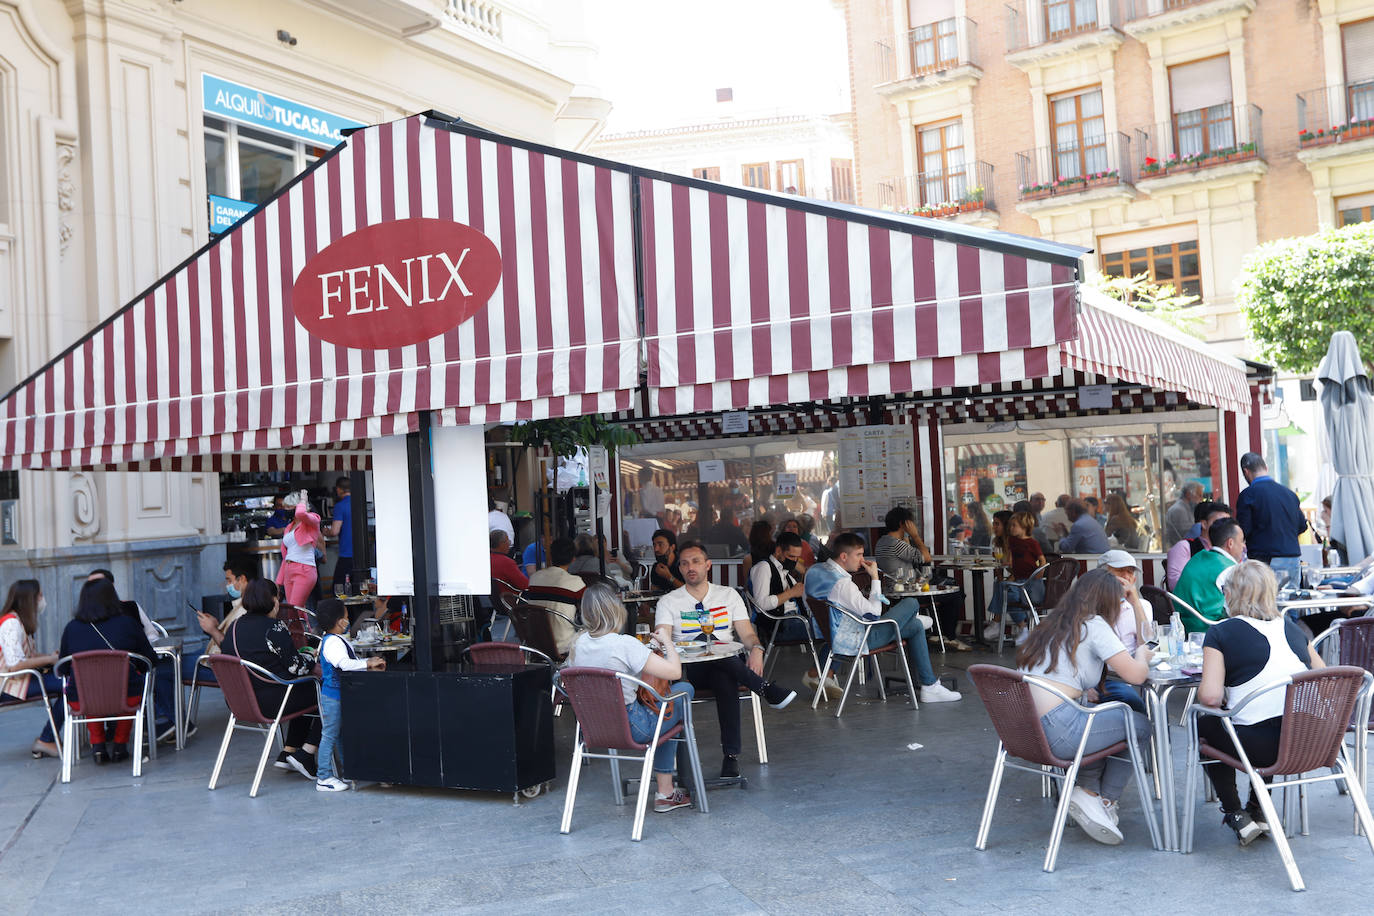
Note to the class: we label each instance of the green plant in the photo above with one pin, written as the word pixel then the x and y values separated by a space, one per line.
pixel 1297 292
pixel 1160 300
pixel 565 435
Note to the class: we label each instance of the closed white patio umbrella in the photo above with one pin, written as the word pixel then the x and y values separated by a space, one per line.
pixel 1348 411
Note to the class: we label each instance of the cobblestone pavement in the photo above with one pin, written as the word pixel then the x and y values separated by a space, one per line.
pixel 874 813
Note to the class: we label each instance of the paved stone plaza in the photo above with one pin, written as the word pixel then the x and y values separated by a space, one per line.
pixel 846 818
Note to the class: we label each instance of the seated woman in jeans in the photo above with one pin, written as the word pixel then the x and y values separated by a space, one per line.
pixel 1024 557
pixel 18 623
pixel 1254 647
pixel 1070 647
pixel 603 645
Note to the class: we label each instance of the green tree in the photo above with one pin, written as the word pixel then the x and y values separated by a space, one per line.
pixel 1297 292
pixel 1160 300
pixel 563 435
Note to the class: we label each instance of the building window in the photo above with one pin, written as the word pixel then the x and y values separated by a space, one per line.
pixel 1175 264
pixel 1200 95
pixel 792 176
pixel 1358 208
pixel 1065 17
pixel 1357 46
pixel 934 46
pixel 941 151
pixel 1080 133
pixel 756 175
pixel 842 180
pixel 251 165
pixel 710 173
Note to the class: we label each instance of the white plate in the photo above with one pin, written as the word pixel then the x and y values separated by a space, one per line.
pixel 724 648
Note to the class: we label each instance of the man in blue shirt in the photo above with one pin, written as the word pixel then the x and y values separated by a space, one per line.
pixel 341 527
pixel 1271 518
pixel 1086 534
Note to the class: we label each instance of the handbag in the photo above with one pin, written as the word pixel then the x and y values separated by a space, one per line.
pixel 659 684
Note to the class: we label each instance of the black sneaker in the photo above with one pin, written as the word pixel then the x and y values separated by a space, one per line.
pixel 118 752
pixel 281 761
pixel 778 697
pixel 729 767
pixel 191 729
pixel 1256 813
pixel 302 762
pixel 100 754
pixel 166 731
pixel 1247 831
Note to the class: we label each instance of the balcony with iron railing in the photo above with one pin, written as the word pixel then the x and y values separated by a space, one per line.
pixel 1065 170
pixel 965 188
pixel 1144 9
pixel 1193 141
pixel 929 50
pixel 1335 114
pixel 1151 19
pixel 1039 23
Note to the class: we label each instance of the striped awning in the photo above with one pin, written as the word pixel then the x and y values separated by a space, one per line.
pixel 211 360
pixel 754 299
pixel 1122 343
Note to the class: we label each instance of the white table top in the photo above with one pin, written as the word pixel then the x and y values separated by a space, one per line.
pixel 718 651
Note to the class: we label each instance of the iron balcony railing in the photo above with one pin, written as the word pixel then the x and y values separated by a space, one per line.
pixel 959 189
pixel 1144 9
pixel 941 45
pixel 1070 168
pixel 1199 139
pixel 884 61
pixel 1336 114
pixel 1055 20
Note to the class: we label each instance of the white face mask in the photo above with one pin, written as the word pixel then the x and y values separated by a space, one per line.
pixel 42 603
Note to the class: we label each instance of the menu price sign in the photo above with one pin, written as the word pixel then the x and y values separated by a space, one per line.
pixel 711 471
pixel 786 485
pixel 877 472
pixel 601 466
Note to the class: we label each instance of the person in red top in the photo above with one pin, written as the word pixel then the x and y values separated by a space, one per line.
pixel 502 566
pixel 1025 556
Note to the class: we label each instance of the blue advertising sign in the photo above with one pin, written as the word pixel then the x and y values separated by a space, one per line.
pixel 225 211
pixel 221 98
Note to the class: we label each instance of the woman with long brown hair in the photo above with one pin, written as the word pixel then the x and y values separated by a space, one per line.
pixel 1121 524
pixel 18 623
pixel 1070 648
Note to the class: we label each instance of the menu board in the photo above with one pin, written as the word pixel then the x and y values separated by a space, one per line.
pixel 877 471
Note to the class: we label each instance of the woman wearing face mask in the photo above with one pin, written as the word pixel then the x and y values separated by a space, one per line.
pixel 238 572
pixel 18 623
pixel 298 574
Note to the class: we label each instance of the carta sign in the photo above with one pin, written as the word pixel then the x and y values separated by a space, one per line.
pixel 246 105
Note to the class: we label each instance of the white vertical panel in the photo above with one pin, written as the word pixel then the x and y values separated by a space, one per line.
pixel 461 533
pixel 391 498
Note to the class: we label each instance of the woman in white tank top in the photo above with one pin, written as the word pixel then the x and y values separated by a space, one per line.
pixel 1254 647
pixel 298 573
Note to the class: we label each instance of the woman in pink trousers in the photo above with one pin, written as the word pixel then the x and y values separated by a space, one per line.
pixel 298 573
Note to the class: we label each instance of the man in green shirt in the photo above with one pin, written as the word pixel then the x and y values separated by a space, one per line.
pixel 1197 585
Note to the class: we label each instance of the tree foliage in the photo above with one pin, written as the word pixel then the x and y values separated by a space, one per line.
pixel 564 435
pixel 1160 300
pixel 1297 292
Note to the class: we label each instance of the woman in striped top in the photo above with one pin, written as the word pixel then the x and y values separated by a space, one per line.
pixel 901 548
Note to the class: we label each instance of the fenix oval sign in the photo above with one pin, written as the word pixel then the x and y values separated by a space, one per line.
pixel 396 283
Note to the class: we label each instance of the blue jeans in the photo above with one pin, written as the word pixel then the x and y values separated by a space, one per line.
pixel 331 717
pixel 913 631
pixel 165 684
pixel 54 685
pixel 1107 777
pixel 1036 589
pixel 188 668
pixel 1115 690
pixel 642 722
pixel 1287 570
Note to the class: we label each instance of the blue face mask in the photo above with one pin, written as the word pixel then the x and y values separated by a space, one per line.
pixel 233 592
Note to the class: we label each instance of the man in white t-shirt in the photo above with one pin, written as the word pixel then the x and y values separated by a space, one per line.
pixel 678 618
pixel 499 521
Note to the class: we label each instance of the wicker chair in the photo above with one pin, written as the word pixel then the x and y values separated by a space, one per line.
pixel 1317 711
pixel 604 722
pixel 233 675
pixel 102 684
pixel 1161 608
pixel 778 617
pixel 1010 706
pixel 7 701
pixel 897 646
pixel 1354 638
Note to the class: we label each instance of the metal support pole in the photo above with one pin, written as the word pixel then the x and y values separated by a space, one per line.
pixel 424 608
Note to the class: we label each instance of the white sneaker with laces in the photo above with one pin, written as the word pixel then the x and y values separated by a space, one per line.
pixel 939 693
pixel 992 631
pixel 927 622
pixel 332 784
pixel 1022 635
pixel 1092 814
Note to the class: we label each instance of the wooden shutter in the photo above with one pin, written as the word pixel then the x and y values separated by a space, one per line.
pixel 1357 42
pixel 1200 84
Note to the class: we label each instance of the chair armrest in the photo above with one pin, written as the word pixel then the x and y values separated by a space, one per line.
pixel 264 674
pixel 1201 710
pixel 546 658
pixel 1326 634
pixel 637 682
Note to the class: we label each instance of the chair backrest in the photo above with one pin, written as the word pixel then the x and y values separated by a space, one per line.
pixel 1160 607
pixel 1059 575
pixel 102 682
pixel 1356 638
pixel 496 654
pixel 237 687
pixel 598 701
pixel 531 624
pixel 820 612
pixel 1317 710
pixel 1007 698
pixel 297 622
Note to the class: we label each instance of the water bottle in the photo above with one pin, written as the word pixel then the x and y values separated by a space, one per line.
pixel 348 585
pixel 405 618
pixel 1176 635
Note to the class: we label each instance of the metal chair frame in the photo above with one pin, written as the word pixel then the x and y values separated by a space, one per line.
pixel 1343 773
pixel 1066 777
pixel 807 621
pixel 272 730
pixel 581 753
pixel 1359 729
pixel 898 645
pixel 6 701
pixel 143 712
pixel 1021 585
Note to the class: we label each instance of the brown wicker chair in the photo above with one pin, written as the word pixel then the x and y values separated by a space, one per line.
pixel 603 722
pixel 1010 706
pixel 1161 608
pixel 1355 646
pixel 235 678
pixel 1317 711
pixel 102 685
pixel 897 646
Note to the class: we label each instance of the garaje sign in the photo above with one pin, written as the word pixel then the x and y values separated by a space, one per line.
pixel 396 284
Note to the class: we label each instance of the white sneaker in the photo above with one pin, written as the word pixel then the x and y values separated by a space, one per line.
pixel 1091 813
pixel 332 784
pixel 939 693
pixel 992 631
pixel 926 622
pixel 1022 635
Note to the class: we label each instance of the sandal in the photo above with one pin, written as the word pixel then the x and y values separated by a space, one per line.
pixel 43 749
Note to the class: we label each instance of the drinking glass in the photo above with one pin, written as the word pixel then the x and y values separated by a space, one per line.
pixel 339 590
pixel 708 625
pixel 642 632
pixel 1147 631
pixel 1195 643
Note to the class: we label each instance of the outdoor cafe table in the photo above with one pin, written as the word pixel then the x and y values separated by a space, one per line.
pixel 170 647
pixel 395 644
pixel 897 593
pixel 1158 688
pixel 976 566
pixel 1304 605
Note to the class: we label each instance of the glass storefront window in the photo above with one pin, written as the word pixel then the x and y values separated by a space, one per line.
pixel 251 165
pixel 980 481
pixel 1121 473
pixel 216 157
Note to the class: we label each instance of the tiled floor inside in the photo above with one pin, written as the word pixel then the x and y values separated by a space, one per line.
pixel 875 812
